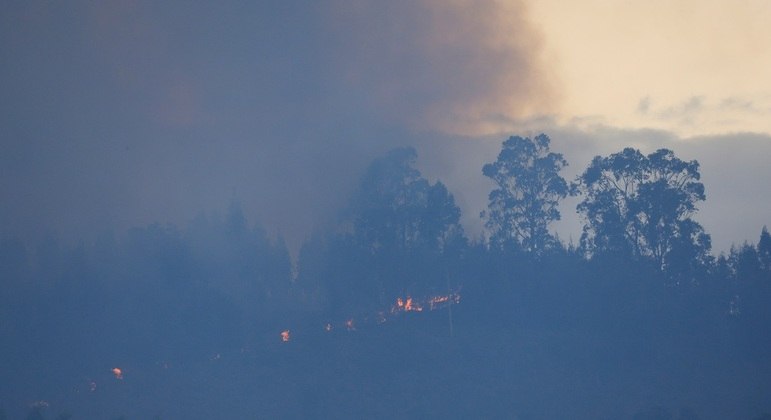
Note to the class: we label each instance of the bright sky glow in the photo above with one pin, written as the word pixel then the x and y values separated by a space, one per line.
pixel 693 67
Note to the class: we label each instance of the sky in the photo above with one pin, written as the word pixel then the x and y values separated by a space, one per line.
pixel 122 113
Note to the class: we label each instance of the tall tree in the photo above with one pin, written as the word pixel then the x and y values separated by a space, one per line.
pixel 404 233
pixel 528 192
pixel 395 207
pixel 643 206
pixel 764 249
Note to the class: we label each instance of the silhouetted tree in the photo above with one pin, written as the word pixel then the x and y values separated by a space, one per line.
pixel 643 206
pixel 764 250
pixel 753 282
pixel 528 192
pixel 401 233
pixel 396 208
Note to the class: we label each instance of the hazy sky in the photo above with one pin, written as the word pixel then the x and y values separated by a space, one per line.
pixel 115 114
pixel 689 66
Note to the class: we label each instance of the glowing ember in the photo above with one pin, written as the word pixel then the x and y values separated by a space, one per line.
pixel 402 304
pixel 443 300
pixel 118 373
pixel 408 305
pixel 437 300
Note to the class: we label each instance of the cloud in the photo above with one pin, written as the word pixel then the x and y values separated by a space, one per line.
pixel 704 115
pixel 121 113
pixel 610 54
pixel 684 111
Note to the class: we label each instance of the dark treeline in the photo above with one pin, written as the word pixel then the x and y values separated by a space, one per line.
pixel 637 320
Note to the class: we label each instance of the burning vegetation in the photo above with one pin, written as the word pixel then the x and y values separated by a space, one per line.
pixel 406 305
pixel 432 303
pixel 402 304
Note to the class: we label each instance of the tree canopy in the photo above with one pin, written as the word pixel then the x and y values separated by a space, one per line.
pixel 643 206
pixel 528 191
pixel 395 207
pixel 379 296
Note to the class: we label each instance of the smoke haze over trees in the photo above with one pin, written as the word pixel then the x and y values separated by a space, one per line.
pixel 394 311
pixel 344 209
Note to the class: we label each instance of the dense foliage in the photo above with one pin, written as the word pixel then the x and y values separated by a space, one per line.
pixel 528 192
pixel 642 207
pixel 640 321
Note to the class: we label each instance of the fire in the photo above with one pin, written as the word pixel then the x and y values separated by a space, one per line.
pixel 118 373
pixel 443 300
pixel 412 306
pixel 409 304
pixel 403 304
pixel 406 305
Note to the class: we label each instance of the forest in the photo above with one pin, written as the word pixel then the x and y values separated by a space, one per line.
pixel 394 311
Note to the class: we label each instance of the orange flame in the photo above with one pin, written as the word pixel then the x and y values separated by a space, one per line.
pixel 412 305
pixel 118 373
pixel 408 305
pixel 403 304
pixel 443 300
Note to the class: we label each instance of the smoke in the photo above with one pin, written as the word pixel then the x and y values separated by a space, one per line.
pixel 460 67
pixel 123 113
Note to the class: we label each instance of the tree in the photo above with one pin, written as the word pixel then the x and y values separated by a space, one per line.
pixel 764 250
pixel 402 232
pixel 396 208
pixel 643 206
pixel 528 192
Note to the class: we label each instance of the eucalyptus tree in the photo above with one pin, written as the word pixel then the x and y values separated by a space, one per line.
pixel 401 235
pixel 643 206
pixel 527 194
pixel 395 207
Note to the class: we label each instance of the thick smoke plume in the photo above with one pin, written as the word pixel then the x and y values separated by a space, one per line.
pixel 122 113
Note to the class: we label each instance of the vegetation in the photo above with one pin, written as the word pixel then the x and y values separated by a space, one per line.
pixel 639 321
pixel 528 192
